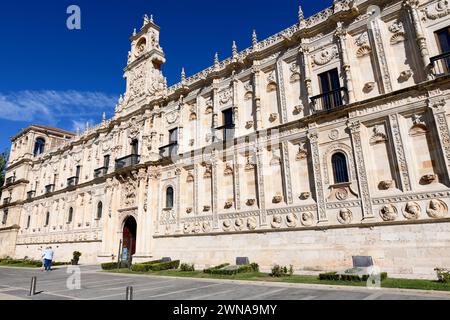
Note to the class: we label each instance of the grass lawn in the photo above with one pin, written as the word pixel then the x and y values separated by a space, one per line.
pixel 259 276
pixel 19 265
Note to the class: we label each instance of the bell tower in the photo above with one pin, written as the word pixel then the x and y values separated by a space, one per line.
pixel 143 75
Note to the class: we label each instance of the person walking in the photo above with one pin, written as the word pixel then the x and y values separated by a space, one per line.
pixel 48 258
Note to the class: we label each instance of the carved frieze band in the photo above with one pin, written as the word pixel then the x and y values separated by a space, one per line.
pixel 261 193
pixel 379 47
pixel 400 153
pixel 237 181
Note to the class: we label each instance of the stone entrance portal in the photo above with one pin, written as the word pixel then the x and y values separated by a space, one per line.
pixel 129 236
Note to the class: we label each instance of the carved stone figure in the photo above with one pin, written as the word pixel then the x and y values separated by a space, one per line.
pixel 291 220
pixel 252 223
pixel 276 221
pixel 345 216
pixel 412 211
pixel 388 212
pixel 307 219
pixel 437 209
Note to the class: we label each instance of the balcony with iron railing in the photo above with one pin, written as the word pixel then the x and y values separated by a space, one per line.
pixel 49 188
pixel 329 100
pixel 225 132
pixel 127 161
pixel 440 64
pixel 9 181
pixel 72 182
pixel 6 201
pixel 169 151
pixel 100 172
pixel 31 194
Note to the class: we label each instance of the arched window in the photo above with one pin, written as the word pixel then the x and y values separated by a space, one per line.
pixel 339 162
pixel 169 198
pixel 47 219
pixel 99 210
pixel 70 218
pixel 39 146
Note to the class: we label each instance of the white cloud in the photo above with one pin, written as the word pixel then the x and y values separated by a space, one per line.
pixel 51 107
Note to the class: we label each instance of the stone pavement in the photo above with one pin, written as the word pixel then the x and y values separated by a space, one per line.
pixel 96 285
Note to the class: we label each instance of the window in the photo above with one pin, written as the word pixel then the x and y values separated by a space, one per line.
pixel 443 37
pixel 228 118
pixel 135 147
pixel 39 146
pixel 99 210
pixel 106 161
pixel 169 198
pixel 47 219
pixel 330 89
pixel 28 222
pixel 339 162
pixel 5 217
pixel 173 136
pixel 78 172
pixel 70 218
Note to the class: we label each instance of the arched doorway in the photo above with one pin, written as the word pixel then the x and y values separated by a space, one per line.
pixel 129 237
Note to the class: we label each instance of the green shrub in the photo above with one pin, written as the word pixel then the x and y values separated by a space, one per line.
pixel 329 276
pixel 443 275
pixel 279 271
pixel 220 266
pixel 184 267
pixel 171 265
pixel 152 262
pixel 241 269
pixel 110 265
pixel 140 267
pixel 255 267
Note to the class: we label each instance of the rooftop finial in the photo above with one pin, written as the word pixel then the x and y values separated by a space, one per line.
pixel 104 117
pixel 216 59
pixel 151 18
pixel 183 75
pixel 301 16
pixel 254 38
pixel 234 49
pixel 134 32
pixel 146 20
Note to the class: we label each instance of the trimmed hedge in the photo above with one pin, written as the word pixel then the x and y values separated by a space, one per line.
pixel 31 263
pixel 348 277
pixel 185 267
pixel 211 270
pixel 254 267
pixel 110 265
pixel 155 266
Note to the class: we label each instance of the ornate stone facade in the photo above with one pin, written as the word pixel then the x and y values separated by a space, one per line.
pixel 299 176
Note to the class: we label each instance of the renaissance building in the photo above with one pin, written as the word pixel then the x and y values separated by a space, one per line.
pixel 327 140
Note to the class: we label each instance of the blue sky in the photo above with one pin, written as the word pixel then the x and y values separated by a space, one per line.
pixel 51 75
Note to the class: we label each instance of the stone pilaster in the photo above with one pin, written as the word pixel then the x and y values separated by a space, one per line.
pixel 282 91
pixel 341 34
pixel 215 190
pixel 355 131
pixel 400 153
pixel 261 188
pixel 286 172
pixel 197 209
pixel 313 138
pixel 437 107
pixel 380 53
pixel 412 9
pixel 236 180
pixel 178 199
pixel 257 94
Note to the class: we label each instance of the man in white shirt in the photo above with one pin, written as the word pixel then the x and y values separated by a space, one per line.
pixel 48 258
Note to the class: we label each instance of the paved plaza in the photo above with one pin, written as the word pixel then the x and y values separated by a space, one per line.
pixel 97 285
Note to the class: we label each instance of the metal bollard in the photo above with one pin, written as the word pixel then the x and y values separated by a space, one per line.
pixel 33 287
pixel 129 293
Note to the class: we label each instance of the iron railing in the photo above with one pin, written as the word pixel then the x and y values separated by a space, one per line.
pixel 9 181
pixel 100 172
pixel 440 64
pixel 72 182
pixel 226 132
pixel 329 100
pixel 49 188
pixel 127 161
pixel 6 201
pixel 169 151
pixel 30 194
